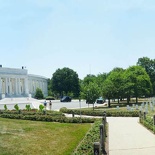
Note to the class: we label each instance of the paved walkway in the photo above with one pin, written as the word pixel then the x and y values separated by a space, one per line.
pixel 22 102
pixel 128 137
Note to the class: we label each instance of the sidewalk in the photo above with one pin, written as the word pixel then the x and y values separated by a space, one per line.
pixel 22 102
pixel 128 137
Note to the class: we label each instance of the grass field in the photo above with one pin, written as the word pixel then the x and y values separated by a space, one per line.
pixel 22 137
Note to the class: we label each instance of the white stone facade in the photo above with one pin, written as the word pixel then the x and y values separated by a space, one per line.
pixel 18 83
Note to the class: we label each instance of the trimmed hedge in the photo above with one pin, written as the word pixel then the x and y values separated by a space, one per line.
pixel 100 113
pixel 50 98
pixel 32 112
pixel 86 146
pixel 41 116
pixel 148 122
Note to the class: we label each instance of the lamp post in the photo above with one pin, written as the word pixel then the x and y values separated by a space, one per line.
pixel 80 106
pixel 88 97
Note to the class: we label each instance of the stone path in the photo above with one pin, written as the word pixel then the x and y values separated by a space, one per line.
pixel 128 137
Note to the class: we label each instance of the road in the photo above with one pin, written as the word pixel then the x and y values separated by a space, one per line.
pixel 56 104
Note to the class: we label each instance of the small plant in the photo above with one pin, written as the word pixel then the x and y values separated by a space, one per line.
pixel 39 94
pixel 41 107
pixel 5 107
pixel 16 107
pixel 28 108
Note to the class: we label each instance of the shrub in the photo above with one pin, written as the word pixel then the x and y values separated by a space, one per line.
pixel 39 94
pixel 148 122
pixel 28 108
pixel 86 146
pixel 100 113
pixel 16 107
pixel 41 107
pixel 5 107
pixel 64 110
pixel 50 117
pixel 50 98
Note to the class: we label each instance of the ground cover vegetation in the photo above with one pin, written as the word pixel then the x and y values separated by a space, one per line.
pixel 86 145
pixel 134 82
pixel 109 113
pixel 27 129
pixel 35 137
pixel 147 117
pixel 44 115
pixel 121 109
pixel 147 122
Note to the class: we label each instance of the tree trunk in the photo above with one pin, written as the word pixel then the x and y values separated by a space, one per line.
pixel 136 100
pixel 109 103
pixel 61 94
pixel 128 99
pixel 118 100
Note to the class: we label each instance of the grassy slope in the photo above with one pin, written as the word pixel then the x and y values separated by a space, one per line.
pixel 21 137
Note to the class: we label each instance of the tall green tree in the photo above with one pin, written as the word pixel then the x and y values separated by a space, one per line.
pixel 149 66
pixel 100 78
pixel 49 87
pixel 116 77
pixel 108 90
pixel 91 92
pixel 66 81
pixel 137 82
pixel 88 79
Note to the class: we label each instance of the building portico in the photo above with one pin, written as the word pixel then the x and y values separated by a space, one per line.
pixel 18 83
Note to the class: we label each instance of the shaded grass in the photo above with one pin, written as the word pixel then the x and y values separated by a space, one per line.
pixel 22 137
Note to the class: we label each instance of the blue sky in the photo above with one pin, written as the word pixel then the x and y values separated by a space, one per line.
pixel 88 36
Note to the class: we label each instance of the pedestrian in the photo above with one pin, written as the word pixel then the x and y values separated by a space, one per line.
pixel 45 103
pixel 50 105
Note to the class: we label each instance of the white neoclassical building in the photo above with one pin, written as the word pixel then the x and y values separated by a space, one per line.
pixel 18 83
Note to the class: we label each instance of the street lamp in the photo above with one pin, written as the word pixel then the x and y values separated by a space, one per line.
pixel 80 106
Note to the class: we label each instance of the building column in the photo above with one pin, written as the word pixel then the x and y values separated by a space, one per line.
pixel 0 85
pixel 19 86
pixel 6 85
pixel 10 86
pixel 26 86
pixel 16 86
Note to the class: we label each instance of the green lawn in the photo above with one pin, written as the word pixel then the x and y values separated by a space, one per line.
pixel 22 137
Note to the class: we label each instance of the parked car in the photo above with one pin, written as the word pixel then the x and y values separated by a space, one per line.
pixel 66 99
pixel 100 100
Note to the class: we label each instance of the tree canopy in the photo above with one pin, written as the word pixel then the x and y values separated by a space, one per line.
pixel 90 92
pixel 65 81
pixel 149 66
pixel 137 82
pixel 119 83
pixel 113 85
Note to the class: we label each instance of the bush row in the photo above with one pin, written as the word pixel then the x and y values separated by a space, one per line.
pixel 148 122
pixel 86 146
pixel 48 118
pixel 32 112
pixel 100 112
